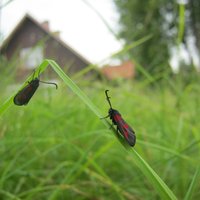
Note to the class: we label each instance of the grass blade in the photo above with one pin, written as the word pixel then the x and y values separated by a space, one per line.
pixel 9 195
pixel 152 176
pixel 181 27
pixel 193 184
pixel 74 87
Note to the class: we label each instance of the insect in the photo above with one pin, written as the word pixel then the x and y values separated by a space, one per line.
pixel 24 95
pixel 122 127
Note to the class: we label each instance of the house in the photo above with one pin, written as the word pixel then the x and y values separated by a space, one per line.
pixel 126 70
pixel 31 42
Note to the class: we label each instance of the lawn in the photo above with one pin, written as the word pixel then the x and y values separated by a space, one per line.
pixel 57 147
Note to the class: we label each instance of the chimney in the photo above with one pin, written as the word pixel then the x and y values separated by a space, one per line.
pixel 45 25
pixel 56 34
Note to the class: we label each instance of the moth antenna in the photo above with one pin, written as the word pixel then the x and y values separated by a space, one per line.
pixel 49 83
pixel 108 98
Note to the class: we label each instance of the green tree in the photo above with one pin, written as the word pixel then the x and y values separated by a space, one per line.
pixel 161 19
pixel 194 20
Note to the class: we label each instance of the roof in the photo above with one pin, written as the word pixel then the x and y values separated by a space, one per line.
pixel 49 33
pixel 126 70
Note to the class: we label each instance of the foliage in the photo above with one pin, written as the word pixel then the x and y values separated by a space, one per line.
pixel 58 148
pixel 6 70
pixel 170 24
pixel 194 20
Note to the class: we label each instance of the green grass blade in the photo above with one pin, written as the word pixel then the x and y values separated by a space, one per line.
pixel 9 195
pixel 131 46
pixel 74 88
pixel 53 187
pixel 75 168
pixel 9 167
pixel 193 184
pixel 181 27
pixel 167 150
pixel 6 105
pixel 152 176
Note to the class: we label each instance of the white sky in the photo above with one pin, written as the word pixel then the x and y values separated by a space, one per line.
pixel 80 26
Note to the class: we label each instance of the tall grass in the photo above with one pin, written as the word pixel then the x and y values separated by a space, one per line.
pixel 58 148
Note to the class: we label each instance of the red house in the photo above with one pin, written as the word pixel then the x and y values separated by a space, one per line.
pixel 125 70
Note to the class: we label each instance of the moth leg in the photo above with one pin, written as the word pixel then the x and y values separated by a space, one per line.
pixel 111 126
pixel 105 117
pixel 118 133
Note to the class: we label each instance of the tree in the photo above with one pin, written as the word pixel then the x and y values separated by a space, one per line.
pixel 194 20
pixel 161 19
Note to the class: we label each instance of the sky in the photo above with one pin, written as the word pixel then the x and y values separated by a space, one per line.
pixel 80 26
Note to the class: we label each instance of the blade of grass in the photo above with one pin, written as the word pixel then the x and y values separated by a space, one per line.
pixel 91 161
pixel 107 182
pixel 126 48
pixel 103 177
pixel 74 87
pixel 193 184
pixel 50 188
pixel 152 176
pixel 142 70
pixel 167 150
pixel 10 166
pixel 33 159
pixel 60 166
pixel 134 44
pixel 181 27
pixel 84 71
pixel 32 192
pixel 9 195
pixel 75 168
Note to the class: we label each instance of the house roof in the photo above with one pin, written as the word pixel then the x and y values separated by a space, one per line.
pixel 48 32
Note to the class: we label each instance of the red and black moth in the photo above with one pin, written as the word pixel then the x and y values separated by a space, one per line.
pixel 24 95
pixel 126 131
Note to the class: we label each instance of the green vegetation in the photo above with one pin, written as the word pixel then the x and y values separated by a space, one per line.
pixel 171 24
pixel 57 147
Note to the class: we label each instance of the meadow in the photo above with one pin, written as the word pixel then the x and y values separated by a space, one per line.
pixel 57 147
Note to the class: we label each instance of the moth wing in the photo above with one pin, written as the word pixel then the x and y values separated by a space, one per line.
pixel 127 132
pixel 24 96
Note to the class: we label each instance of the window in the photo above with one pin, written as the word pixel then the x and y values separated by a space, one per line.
pixel 31 57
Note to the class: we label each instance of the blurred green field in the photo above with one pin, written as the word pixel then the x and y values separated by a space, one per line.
pixel 56 148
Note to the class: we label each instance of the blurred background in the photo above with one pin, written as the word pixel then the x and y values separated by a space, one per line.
pixel 145 52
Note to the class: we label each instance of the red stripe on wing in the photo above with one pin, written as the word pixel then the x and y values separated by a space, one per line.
pixel 125 129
